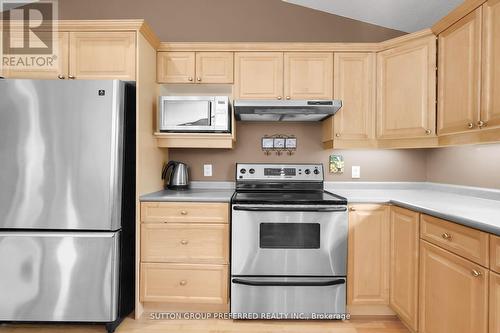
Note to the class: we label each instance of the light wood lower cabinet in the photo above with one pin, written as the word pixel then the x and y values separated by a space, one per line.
pixel 184 251
pixel 494 303
pixel 495 253
pixel 453 293
pixel 404 265
pixel 469 243
pixel 184 283
pixel 368 255
pixel 182 242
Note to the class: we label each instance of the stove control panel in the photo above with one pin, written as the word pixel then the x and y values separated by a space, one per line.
pixel 279 172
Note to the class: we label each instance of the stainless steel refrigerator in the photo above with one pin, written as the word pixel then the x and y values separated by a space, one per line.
pixel 67 200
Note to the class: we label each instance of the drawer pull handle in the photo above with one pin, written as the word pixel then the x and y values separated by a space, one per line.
pixel 183 282
pixel 183 212
pixel 446 235
pixel 184 242
pixel 476 273
pixel 352 209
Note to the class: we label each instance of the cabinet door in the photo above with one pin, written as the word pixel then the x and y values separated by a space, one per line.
pixel 214 67
pixel 354 84
pixel 57 69
pixel 175 67
pixel 308 75
pixel 258 75
pixel 404 265
pixel 406 98
pixel 368 255
pixel 102 55
pixel 459 75
pixel 453 293
pixel 494 303
pixel 490 106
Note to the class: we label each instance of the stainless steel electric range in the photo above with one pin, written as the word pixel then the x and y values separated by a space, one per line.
pixel 289 243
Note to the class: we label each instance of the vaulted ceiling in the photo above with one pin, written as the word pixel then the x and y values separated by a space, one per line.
pixel 403 15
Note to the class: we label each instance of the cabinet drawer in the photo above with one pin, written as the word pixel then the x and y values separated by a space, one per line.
pixel 194 212
pixel 173 242
pixel 466 242
pixel 184 283
pixel 495 253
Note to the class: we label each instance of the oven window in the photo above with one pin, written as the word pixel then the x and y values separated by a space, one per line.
pixel 289 236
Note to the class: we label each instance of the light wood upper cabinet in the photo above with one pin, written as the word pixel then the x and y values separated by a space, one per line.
pixel 490 104
pixel 354 84
pixel 195 67
pixel 308 75
pixel 453 293
pixel 176 67
pixel 368 255
pixel 258 75
pixel 406 91
pixel 59 68
pixel 459 71
pixel 494 303
pixel 214 67
pixel 404 265
pixel 98 55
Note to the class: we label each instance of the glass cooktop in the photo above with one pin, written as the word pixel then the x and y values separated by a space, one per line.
pixel 288 197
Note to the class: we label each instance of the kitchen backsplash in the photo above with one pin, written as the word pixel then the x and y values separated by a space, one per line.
pixel 477 165
pixel 376 165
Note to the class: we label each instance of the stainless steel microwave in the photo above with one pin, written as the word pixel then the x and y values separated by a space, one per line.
pixel 201 114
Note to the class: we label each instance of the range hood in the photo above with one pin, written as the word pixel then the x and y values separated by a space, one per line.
pixel 289 110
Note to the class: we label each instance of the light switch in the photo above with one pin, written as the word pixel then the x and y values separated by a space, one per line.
pixel 356 171
pixel 207 170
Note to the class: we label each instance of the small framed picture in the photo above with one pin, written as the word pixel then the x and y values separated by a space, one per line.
pixel 291 143
pixel 279 143
pixel 267 143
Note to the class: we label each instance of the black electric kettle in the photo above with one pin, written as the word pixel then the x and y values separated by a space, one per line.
pixel 178 178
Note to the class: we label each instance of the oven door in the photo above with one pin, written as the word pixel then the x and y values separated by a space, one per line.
pixel 190 114
pixel 289 240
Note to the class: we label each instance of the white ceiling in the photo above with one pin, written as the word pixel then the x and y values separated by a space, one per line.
pixel 404 15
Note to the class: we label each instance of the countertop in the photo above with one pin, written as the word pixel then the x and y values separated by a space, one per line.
pixel 478 208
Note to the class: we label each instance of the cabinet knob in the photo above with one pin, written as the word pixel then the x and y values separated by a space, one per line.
pixel 287 97
pixel 183 282
pixel 476 273
pixel 337 135
pixel 184 242
pixel 428 132
pixel 446 236
pixel 190 79
pixel 352 209
pixel 61 77
pixel 481 124
pixel 470 125
pixel 71 77
pixel 183 212
pixel 198 79
pixel 279 97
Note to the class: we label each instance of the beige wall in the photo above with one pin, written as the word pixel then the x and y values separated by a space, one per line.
pixel 468 165
pixel 376 165
pixel 230 20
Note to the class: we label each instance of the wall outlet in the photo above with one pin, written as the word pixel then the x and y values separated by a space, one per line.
pixel 356 172
pixel 207 170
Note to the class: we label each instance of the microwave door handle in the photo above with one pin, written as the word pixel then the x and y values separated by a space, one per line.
pixel 211 113
pixel 245 282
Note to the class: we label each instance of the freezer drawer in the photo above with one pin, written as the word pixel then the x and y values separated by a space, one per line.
pixel 306 297
pixel 59 276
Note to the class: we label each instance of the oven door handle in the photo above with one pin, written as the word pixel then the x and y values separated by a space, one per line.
pixel 290 209
pixel 289 283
